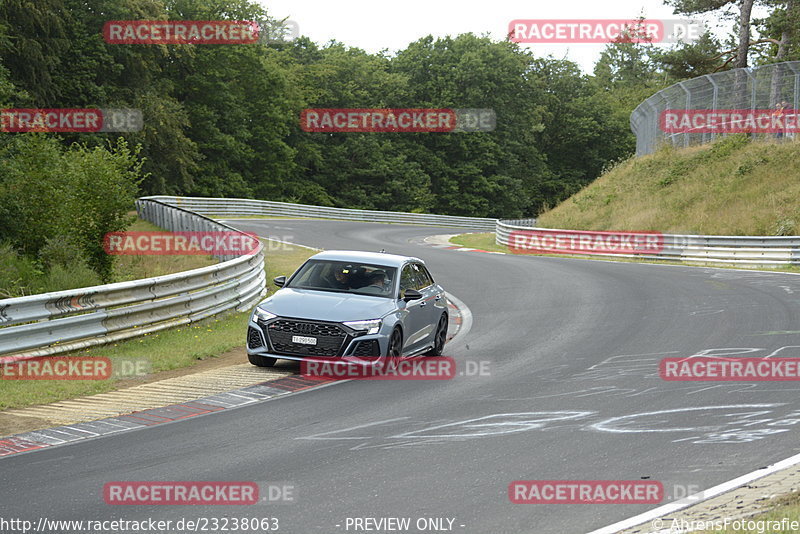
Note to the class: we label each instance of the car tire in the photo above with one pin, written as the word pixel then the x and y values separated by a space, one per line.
pixel 440 338
pixel 261 361
pixel 395 348
pixel 394 352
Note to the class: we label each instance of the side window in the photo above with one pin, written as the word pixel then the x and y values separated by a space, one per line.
pixel 425 276
pixel 407 279
pixel 419 277
pixel 418 282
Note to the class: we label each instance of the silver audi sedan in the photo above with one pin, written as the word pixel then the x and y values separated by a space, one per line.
pixel 350 303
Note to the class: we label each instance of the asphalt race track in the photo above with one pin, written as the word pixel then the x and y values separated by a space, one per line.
pixel 573 394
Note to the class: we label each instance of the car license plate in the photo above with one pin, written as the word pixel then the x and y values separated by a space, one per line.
pixel 303 340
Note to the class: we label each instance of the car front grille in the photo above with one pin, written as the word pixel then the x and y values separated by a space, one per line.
pixel 331 338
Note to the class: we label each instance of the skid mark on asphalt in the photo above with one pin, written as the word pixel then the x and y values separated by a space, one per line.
pixel 612 375
pixel 729 424
pixel 786 282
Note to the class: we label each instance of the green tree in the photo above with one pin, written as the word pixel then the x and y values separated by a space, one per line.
pixel 689 60
pixel 781 29
pixel 103 185
pixel 496 173
pixel 585 126
pixel 76 195
pixel 744 7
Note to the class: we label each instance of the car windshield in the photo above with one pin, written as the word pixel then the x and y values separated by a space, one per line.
pixel 345 277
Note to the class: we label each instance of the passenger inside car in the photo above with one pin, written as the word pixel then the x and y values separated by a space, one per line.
pixel 376 283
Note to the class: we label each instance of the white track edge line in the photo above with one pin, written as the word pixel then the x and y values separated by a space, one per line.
pixel 466 317
pixel 697 498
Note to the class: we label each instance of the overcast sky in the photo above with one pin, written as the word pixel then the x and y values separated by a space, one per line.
pixel 374 25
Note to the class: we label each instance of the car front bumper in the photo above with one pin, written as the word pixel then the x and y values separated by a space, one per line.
pixel 335 341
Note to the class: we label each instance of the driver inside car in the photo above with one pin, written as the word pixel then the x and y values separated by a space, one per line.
pixel 341 277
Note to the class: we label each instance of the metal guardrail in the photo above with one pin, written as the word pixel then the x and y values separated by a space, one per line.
pixel 730 250
pixel 51 323
pixel 751 88
pixel 243 206
pixel 519 222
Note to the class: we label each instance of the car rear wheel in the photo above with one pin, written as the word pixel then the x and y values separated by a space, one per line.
pixel 261 361
pixel 440 338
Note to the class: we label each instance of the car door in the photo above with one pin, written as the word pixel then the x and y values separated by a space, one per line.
pixel 434 300
pixel 416 321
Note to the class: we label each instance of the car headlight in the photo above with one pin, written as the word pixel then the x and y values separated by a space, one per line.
pixel 370 326
pixel 263 315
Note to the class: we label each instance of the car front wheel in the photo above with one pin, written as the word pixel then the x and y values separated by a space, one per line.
pixel 395 344
pixel 261 361
pixel 394 352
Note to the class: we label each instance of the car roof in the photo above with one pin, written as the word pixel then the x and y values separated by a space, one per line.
pixel 376 258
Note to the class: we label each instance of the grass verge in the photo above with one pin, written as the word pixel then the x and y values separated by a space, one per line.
pixel 136 267
pixel 785 508
pixel 175 348
pixel 485 241
pixel 224 217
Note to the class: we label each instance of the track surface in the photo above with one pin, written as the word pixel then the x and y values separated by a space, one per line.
pixel 573 346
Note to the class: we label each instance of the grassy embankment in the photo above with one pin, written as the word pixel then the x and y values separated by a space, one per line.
pixel 732 187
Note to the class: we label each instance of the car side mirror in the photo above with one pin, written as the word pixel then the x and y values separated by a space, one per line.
pixel 411 294
pixel 280 281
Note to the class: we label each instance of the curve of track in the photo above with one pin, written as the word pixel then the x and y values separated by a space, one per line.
pixel 573 394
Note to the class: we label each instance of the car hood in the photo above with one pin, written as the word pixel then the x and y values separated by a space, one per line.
pixel 327 306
